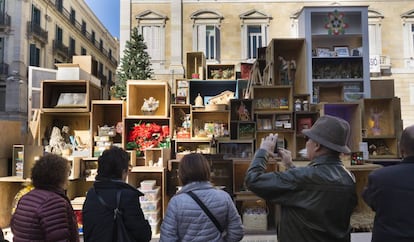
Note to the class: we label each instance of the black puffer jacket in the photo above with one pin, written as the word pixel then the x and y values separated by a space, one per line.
pixel 317 200
pixel 98 220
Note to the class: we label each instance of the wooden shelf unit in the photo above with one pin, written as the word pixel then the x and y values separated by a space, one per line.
pixel 51 90
pixel 110 113
pixel 138 90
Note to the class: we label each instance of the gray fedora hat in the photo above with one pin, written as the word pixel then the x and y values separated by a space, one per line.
pixel 331 132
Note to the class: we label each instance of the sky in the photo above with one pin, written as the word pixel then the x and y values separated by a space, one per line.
pixel 108 13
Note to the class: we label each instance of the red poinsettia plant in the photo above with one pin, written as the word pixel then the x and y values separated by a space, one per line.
pixel 147 135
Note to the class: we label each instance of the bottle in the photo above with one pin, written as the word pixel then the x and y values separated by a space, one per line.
pixel 213 145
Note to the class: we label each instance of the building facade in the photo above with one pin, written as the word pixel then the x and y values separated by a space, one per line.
pixel 230 31
pixel 41 33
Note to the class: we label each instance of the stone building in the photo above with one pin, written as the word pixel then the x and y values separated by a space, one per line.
pixel 41 33
pixel 235 28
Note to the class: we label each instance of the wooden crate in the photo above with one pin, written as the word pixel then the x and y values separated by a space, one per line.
pixel 379 117
pixel 53 93
pixel 75 121
pixel 182 92
pixel 196 64
pixel 331 93
pixel 350 112
pixel 202 117
pixel 157 154
pixel 110 113
pixel 26 155
pixel 273 98
pixel 139 90
pixel 236 149
pixel 221 72
pixel 177 118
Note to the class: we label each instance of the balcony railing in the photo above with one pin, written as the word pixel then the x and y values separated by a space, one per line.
pixel 60 48
pixel 385 62
pixel 66 14
pixel 4 69
pixel 5 22
pixel 36 31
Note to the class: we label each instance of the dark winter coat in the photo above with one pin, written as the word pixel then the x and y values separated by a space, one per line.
pixel 390 193
pixel 44 215
pixel 316 201
pixel 98 221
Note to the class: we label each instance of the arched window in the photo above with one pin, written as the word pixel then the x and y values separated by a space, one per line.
pixel 152 27
pixel 206 33
pixel 254 33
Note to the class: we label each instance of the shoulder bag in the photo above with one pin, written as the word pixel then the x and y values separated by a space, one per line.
pixel 206 210
pixel 120 233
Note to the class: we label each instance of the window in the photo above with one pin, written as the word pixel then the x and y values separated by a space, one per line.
pixel 34 55
pixel 110 54
pixel 83 27
pixel 59 35
pixel 83 51
pixel 100 44
pixel 72 16
pixel 2 97
pixel 408 38
pixel 254 40
pixel 152 27
pixel 59 5
pixel 110 77
pixel 93 37
pixel 206 33
pixel 36 16
pixel 72 46
pixel 374 32
pixel 254 33
pixel 1 50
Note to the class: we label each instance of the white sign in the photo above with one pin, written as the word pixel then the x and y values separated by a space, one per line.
pixel 374 63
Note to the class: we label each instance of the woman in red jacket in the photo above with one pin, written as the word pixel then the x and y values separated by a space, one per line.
pixel 45 213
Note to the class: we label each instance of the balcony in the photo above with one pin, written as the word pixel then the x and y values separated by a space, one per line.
pixel 67 15
pixel 34 30
pixel 5 22
pixel 61 49
pixel 385 62
pixel 4 69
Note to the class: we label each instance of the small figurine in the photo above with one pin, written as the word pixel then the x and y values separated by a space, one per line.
pixel 150 105
pixel 375 117
pixel 243 112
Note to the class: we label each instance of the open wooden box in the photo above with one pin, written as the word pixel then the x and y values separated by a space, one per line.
pixel 68 96
pixel 139 90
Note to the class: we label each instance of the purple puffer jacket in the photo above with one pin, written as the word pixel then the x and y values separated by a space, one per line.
pixel 44 215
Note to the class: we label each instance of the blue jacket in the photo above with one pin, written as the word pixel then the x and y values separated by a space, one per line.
pixel 186 221
pixel 98 221
pixel 390 193
pixel 316 201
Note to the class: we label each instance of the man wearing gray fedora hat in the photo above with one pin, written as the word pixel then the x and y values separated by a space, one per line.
pixel 316 200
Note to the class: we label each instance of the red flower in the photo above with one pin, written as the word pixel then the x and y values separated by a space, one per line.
pixel 147 135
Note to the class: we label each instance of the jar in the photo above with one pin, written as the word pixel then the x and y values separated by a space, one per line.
pixel 298 105
pixel 305 105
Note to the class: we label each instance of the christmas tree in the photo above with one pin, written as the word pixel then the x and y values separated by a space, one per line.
pixel 135 65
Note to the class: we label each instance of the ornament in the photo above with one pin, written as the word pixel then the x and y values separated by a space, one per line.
pixel 335 23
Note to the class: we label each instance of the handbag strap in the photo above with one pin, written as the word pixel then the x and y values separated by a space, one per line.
pixel 102 201
pixel 206 210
